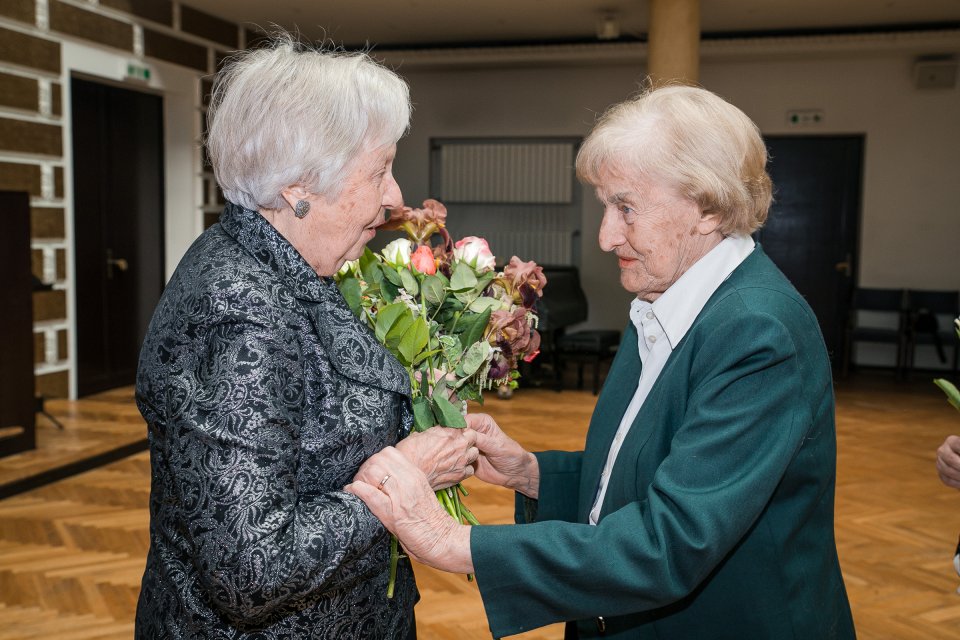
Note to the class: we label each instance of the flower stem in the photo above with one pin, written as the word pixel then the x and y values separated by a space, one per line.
pixel 394 558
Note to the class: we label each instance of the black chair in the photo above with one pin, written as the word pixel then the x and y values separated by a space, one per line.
pixel 889 308
pixel 590 346
pixel 930 321
pixel 564 303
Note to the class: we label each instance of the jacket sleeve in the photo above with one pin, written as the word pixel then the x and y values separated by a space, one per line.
pixel 557 494
pixel 746 417
pixel 258 539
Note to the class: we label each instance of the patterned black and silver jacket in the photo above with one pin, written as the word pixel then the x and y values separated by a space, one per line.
pixel 263 394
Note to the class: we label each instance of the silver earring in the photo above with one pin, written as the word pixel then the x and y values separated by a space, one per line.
pixel 301 209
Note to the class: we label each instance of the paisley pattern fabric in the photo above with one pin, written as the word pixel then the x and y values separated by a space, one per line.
pixel 263 394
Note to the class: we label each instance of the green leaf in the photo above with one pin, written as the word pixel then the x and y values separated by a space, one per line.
pixel 470 392
pixel 464 297
pixel 423 417
pixel 368 258
pixel 441 387
pixel 953 395
pixel 448 414
pixel 473 327
pixel 483 303
pixel 391 274
pixel 451 344
pixel 485 279
pixel 409 282
pixel 423 356
pixel 475 357
pixel 414 339
pixel 463 278
pixel 395 334
pixel 452 305
pixel 350 288
pixel 433 291
pixel 370 267
pixel 388 290
pixel 388 317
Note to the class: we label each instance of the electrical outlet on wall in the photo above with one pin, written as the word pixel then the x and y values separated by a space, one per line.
pixel 805 117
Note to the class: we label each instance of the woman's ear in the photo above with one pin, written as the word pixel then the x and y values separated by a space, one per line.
pixel 293 194
pixel 708 223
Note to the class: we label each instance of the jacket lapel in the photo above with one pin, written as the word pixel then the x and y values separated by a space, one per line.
pixel 618 390
pixel 623 389
pixel 352 348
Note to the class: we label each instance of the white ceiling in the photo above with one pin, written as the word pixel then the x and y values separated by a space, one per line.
pixel 431 22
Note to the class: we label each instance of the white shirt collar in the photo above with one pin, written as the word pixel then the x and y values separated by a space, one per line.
pixel 680 305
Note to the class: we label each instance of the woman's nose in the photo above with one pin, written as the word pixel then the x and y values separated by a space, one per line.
pixel 611 235
pixel 392 196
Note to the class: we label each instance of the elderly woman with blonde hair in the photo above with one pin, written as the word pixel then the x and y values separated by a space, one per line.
pixel 262 392
pixel 702 504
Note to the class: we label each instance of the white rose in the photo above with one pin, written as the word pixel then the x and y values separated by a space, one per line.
pixel 397 253
pixel 349 268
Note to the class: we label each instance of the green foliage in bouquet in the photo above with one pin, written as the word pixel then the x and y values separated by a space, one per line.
pixel 457 324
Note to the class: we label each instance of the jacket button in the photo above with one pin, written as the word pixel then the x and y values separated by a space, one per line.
pixel 601 624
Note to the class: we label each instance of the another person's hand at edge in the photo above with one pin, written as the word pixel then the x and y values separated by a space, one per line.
pixel 948 462
pixel 503 461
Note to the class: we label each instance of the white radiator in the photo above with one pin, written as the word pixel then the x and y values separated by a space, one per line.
pixel 507 172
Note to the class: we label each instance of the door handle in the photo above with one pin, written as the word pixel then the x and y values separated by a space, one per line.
pixel 845 267
pixel 120 264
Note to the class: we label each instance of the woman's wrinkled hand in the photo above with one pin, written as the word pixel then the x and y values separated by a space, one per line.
pixel 397 492
pixel 948 462
pixel 444 455
pixel 502 460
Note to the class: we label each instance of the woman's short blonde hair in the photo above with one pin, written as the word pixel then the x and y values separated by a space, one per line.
pixel 697 142
pixel 290 113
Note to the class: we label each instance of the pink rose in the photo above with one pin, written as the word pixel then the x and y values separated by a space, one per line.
pixel 475 252
pixel 423 261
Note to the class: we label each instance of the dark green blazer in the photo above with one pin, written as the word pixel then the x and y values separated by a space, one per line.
pixel 718 517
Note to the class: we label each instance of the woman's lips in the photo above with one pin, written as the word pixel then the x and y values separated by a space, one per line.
pixel 625 262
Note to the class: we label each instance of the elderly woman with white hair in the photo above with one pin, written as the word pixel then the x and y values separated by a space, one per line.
pixel 262 392
pixel 702 504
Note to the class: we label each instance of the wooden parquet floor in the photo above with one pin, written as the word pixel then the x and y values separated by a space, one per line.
pixel 92 426
pixel 72 553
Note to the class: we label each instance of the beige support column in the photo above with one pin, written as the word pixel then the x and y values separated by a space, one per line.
pixel 673 47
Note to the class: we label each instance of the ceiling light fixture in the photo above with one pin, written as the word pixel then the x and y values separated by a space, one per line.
pixel 608 27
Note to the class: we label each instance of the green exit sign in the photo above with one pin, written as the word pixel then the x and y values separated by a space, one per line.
pixel 138 72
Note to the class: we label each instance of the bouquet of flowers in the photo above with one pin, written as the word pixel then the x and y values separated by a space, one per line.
pixel 953 395
pixel 450 317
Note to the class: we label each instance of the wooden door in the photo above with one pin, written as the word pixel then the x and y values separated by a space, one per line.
pixel 17 400
pixel 118 227
pixel 812 230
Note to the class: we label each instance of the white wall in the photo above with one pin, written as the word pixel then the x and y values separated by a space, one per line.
pixel 910 226
pixel 521 102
